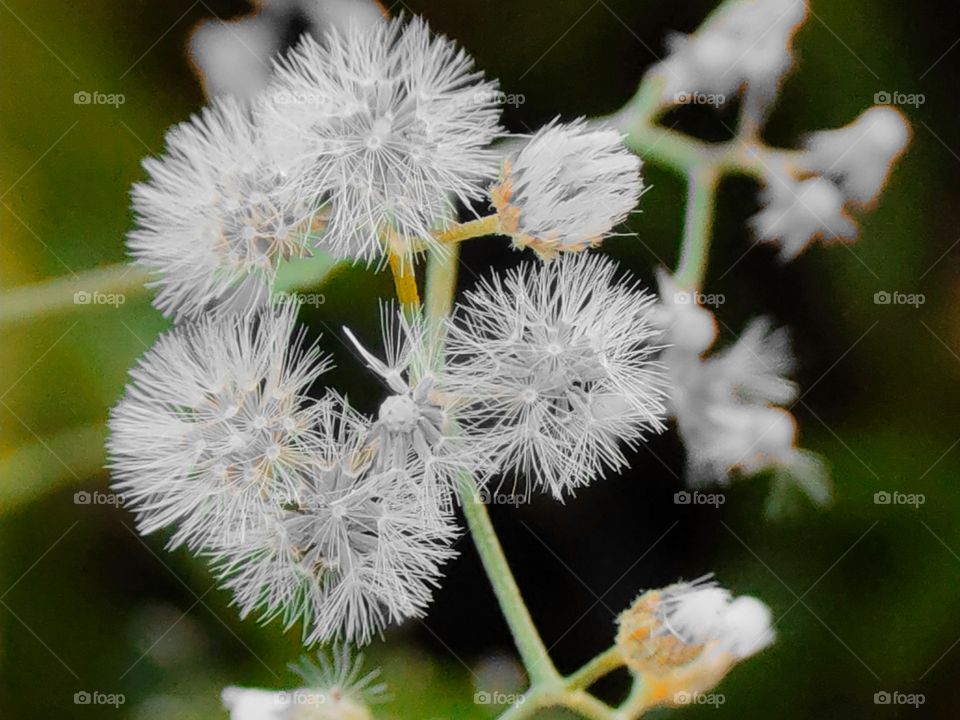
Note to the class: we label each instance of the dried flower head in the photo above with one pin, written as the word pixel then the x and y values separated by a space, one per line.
pixel 685 637
pixel 355 550
pixel 797 212
pixel 416 416
pixel 387 124
pixel 556 365
pixel 216 428
pixel 567 188
pixel 216 213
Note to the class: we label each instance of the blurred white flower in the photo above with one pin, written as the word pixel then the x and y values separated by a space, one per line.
pixel 354 551
pixel 234 57
pixel 728 405
pixel 689 326
pixel 860 156
pixel 567 188
pixel 725 405
pixel 743 44
pixel 390 124
pixel 797 212
pixel 216 428
pixel 335 688
pixel 255 704
pixel 216 215
pixel 557 365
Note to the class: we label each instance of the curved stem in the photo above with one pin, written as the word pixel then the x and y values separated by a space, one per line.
pixel 533 652
pixel 603 664
pixel 701 199
pixel 635 703
pixel 488 225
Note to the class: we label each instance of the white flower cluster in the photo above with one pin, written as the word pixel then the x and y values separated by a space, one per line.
pixel 744 49
pixel 218 438
pixel 307 510
pixel 361 144
pixel 729 405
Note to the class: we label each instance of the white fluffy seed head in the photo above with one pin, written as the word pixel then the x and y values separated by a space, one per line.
pixel 567 188
pixel 216 427
pixel 216 214
pixel 554 366
pixel 860 156
pixel 390 124
pixel 797 212
pixel 357 548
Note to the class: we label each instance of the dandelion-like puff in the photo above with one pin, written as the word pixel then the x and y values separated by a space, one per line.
pixel 216 215
pixel 387 123
pixel 557 366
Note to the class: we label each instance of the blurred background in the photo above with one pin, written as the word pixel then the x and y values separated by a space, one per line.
pixel 865 595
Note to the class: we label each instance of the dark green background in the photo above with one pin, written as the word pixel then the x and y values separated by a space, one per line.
pixel 866 596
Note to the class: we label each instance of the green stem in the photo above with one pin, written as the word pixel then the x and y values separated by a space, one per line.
pixel 635 703
pixel 701 199
pixel 29 302
pixel 441 286
pixel 533 652
pixel 603 664
pixel 442 270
